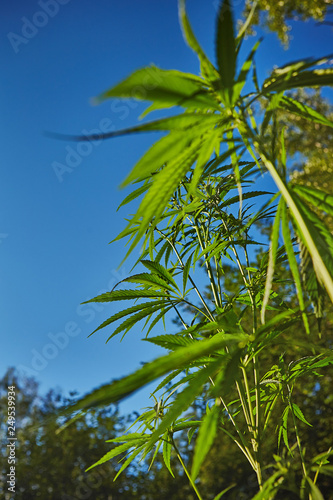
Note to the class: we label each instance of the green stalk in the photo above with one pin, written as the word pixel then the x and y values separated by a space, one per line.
pixel 191 280
pixel 253 426
pixel 185 470
pixel 234 162
pixel 218 280
pixel 254 429
pixel 298 440
pixel 318 263
pixel 208 266
pixel 243 447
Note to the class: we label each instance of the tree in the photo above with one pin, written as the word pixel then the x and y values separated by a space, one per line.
pixel 50 465
pixel 275 15
pixel 250 351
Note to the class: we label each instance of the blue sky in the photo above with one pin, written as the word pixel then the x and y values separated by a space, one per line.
pixel 55 228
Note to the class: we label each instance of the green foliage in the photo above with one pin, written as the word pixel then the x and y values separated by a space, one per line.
pixel 53 467
pixel 245 345
pixel 275 15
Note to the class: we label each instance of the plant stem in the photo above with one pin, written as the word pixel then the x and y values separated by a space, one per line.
pixel 186 471
pixel 208 266
pixel 298 440
pixel 190 279
pixel 243 445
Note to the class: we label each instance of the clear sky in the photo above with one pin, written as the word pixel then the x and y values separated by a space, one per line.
pixel 55 226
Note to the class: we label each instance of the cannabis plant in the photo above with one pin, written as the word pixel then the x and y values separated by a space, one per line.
pixel 197 220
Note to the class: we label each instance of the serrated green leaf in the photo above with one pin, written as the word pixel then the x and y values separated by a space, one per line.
pixel 305 229
pixel 162 251
pixel 283 430
pixel 191 433
pixel 182 121
pixel 155 454
pixel 299 414
pixel 150 280
pixel 207 68
pixel 163 186
pixel 160 316
pixel 222 493
pixel 167 447
pixel 209 250
pixel 293 263
pixel 170 341
pixel 187 424
pixel 312 78
pixel 132 436
pixel 301 109
pixel 185 398
pixel 205 439
pixel 271 486
pixel 245 196
pixel 134 319
pixel 164 150
pixel 226 49
pixel 238 87
pixel 135 194
pixel 212 166
pixel 271 262
pixel 116 295
pixel 127 312
pixel 130 459
pixel 163 87
pixel 117 451
pixel 327 470
pixel 322 456
pixel 157 268
pixel 318 198
pixel 186 271
pixel 212 140
pixel 167 380
pixel 318 245
pixel 229 321
pixel 294 68
pixel 315 492
pixel 179 359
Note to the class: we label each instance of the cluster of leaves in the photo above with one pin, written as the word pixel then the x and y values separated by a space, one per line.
pixel 275 14
pixel 194 187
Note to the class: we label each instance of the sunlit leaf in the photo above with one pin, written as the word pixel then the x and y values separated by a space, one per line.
pixel 226 48
pixel 301 109
pixel 119 450
pixel 238 87
pixel 271 262
pixel 317 197
pixel 207 68
pixel 181 358
pixel 167 447
pixel 165 87
pixel 185 398
pixel 299 414
pixel 293 263
pixel 315 492
pixel 205 439
pixel 314 78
